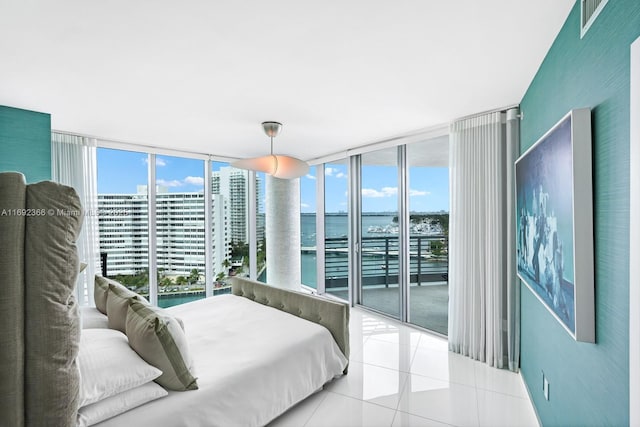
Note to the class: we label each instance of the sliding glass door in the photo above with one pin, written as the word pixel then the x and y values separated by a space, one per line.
pixel 336 226
pixel 428 233
pixel 391 250
pixel 379 222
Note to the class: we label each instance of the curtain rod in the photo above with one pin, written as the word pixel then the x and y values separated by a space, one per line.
pixel 129 146
pixel 406 138
pixel 495 110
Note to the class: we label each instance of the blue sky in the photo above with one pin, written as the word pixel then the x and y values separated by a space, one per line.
pixel 429 189
pixel 120 172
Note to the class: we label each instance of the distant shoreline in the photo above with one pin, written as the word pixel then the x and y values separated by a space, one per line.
pixel 373 213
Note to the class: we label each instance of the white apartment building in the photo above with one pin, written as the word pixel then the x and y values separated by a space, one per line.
pixel 180 232
pixel 232 184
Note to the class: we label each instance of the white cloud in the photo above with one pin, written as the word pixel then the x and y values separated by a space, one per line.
pixel 384 192
pixel 309 176
pixel 304 205
pixel 173 183
pixel 389 192
pixel 334 172
pixel 159 161
pixel 194 180
pixel 370 192
pixel 170 183
pixel 418 193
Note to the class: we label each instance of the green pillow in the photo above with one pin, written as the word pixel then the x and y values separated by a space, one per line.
pixel 158 338
pixel 100 291
pixel 118 303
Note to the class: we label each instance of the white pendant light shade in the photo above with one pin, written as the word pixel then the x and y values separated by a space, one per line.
pixel 290 167
pixel 266 164
pixel 283 167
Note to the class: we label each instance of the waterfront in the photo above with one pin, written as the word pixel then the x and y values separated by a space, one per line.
pixel 379 249
pixel 336 226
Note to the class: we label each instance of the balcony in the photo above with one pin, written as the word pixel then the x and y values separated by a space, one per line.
pixel 428 276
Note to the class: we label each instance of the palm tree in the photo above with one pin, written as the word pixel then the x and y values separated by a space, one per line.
pixel 194 276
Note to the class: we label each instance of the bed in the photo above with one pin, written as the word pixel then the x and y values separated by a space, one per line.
pixel 255 353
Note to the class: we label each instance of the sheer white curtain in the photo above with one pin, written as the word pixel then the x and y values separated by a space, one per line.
pixel 484 299
pixel 73 163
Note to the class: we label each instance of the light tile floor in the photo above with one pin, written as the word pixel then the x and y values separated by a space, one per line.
pixel 402 377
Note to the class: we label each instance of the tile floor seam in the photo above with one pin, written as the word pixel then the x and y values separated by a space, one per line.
pixel 502 393
pixel 393 420
pixel 426 418
pixel 361 400
pixel 385 367
pixel 316 408
pixel 404 385
pixel 444 381
pixel 477 400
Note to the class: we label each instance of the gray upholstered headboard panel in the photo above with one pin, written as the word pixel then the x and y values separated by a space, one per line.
pixel 40 326
pixel 13 193
pixel 333 315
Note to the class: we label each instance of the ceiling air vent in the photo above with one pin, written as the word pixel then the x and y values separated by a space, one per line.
pixel 589 11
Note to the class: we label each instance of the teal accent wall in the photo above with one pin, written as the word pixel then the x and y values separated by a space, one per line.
pixel 25 143
pixel 589 383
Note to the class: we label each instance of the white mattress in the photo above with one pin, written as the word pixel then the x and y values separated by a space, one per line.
pixel 253 362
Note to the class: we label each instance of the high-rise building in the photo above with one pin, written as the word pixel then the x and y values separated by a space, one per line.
pixel 232 185
pixel 180 232
pixel 124 233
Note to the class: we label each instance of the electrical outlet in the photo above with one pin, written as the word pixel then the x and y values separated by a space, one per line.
pixel 545 388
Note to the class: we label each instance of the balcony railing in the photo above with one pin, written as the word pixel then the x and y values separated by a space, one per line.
pixel 428 260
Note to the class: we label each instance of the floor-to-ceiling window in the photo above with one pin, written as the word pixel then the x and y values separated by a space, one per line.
pixel 123 217
pixel 336 189
pixel 428 233
pixel 180 230
pixel 261 237
pixel 308 241
pixel 379 245
pixel 398 239
pixel 230 233
pixel 179 220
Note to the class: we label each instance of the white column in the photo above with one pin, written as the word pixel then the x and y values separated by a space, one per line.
pixel 282 231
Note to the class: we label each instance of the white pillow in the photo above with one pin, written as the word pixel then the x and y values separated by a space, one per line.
pixel 121 402
pixel 108 366
pixel 91 318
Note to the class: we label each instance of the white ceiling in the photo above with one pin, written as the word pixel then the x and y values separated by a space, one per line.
pixel 201 75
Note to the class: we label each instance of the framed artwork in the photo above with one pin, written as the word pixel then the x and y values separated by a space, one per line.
pixel 554 223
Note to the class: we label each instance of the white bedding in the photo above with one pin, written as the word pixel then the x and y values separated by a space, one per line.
pixel 253 362
pixel 91 318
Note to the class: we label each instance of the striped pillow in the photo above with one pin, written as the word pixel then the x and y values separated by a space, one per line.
pixel 158 338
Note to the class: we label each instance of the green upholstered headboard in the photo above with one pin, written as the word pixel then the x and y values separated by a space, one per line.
pixel 333 315
pixel 39 325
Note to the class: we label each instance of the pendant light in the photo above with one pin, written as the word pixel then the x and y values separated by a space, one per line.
pixel 284 167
